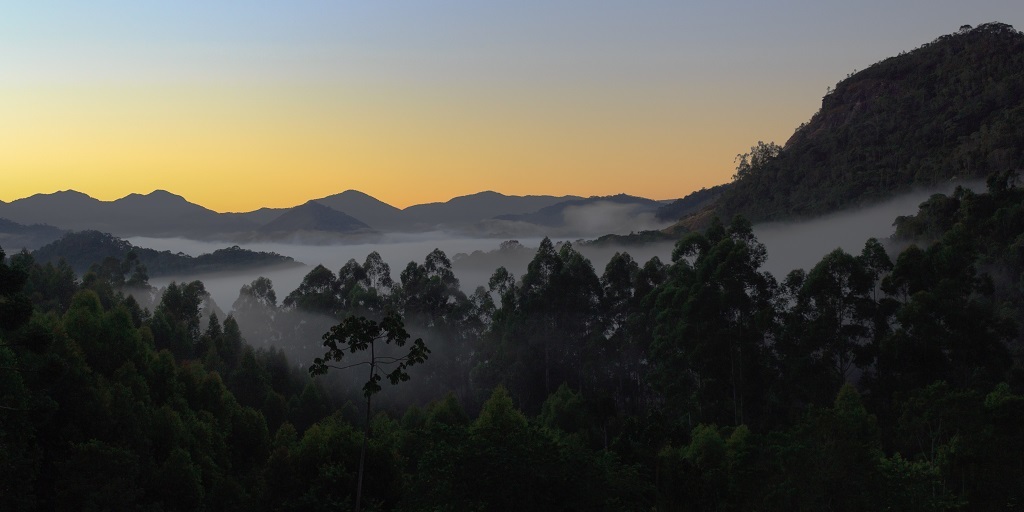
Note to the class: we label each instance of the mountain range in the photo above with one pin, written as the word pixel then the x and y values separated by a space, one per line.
pixel 347 215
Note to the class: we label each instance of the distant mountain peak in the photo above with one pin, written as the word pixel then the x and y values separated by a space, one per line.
pixel 366 208
pixel 63 194
pixel 357 193
pixel 313 216
pixel 67 197
pixel 485 193
pixel 313 205
pixel 159 194
pixel 163 193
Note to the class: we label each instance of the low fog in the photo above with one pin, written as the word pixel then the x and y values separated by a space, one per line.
pixel 396 250
pixel 589 220
pixel 605 217
pixel 793 245
pixel 790 246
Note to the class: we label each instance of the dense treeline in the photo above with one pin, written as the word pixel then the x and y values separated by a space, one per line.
pixel 949 109
pixel 871 381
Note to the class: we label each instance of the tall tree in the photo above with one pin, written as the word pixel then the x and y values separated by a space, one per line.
pixel 15 306
pixel 256 309
pixel 177 320
pixel 715 323
pixel 360 335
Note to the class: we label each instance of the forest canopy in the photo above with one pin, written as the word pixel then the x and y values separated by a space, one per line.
pixel 696 383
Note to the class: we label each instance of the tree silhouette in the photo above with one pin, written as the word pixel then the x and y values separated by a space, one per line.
pixel 359 334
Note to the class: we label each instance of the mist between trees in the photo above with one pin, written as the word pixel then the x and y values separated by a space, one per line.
pixel 693 381
pixel 790 245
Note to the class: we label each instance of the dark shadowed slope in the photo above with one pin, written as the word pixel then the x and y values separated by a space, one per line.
pixel 82 249
pixel 260 217
pixel 555 215
pixel 164 213
pixel 477 207
pixel 953 108
pixel 692 203
pixel 65 209
pixel 313 216
pixel 14 236
pixel 368 209
pixel 158 213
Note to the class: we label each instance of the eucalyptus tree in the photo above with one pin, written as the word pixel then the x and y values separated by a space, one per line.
pixel 256 310
pixel 715 322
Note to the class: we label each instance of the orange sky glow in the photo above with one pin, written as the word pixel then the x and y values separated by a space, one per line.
pixel 240 107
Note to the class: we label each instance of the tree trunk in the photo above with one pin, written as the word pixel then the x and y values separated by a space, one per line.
pixel 362 459
pixel 547 368
pixel 366 436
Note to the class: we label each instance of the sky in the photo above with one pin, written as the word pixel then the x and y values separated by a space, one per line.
pixel 237 105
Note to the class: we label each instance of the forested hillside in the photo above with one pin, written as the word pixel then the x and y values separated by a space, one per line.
pixel 81 250
pixel 953 108
pixel 871 381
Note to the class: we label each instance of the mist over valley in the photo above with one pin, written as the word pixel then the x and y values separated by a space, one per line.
pixel 801 244
pixel 790 245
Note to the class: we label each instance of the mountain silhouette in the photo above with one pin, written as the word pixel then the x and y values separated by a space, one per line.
pixel 163 214
pixel 555 215
pixel 473 208
pixel 368 209
pixel 313 216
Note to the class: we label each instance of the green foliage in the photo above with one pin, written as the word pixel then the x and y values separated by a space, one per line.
pixel 93 418
pixel 564 410
pixel 15 307
pixel 177 320
pixel 97 476
pixel 756 161
pixel 550 326
pixel 448 412
pixel 830 459
pixel 715 313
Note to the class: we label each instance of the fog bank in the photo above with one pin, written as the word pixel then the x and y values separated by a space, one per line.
pixel 793 245
pixel 790 245
pixel 397 251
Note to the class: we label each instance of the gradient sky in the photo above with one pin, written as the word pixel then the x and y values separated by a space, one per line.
pixel 241 104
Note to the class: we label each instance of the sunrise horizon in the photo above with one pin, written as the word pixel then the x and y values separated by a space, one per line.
pixel 116 197
pixel 237 108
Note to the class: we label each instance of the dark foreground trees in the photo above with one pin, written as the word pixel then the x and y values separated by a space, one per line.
pixel 362 337
pixel 868 381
